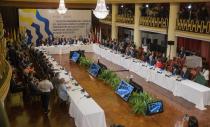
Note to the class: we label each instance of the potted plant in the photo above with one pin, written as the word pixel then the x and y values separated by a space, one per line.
pixel 83 61
pixel 139 102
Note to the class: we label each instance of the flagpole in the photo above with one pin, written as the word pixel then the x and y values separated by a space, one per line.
pixel 100 36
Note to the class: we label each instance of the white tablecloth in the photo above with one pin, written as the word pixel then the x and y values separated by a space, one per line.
pixel 85 111
pixel 189 90
pixel 65 49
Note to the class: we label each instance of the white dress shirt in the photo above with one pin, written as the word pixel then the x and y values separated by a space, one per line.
pixel 206 74
pixel 45 86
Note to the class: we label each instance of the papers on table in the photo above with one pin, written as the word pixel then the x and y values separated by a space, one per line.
pixel 189 90
pixel 85 111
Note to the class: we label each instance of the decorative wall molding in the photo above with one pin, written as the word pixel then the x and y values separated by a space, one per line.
pixel 153 29
pixel 197 36
pixel 154 22
pixel 130 26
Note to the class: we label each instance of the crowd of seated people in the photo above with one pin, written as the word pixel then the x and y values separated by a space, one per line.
pixel 196 12
pixel 28 73
pixel 63 41
pixel 125 47
pixel 24 77
pixel 155 10
pixel 159 60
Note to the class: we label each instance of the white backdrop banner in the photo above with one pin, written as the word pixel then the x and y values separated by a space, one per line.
pixel 39 24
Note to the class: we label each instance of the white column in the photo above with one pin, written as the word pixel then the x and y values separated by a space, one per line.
pixel 174 8
pixel 114 16
pixel 137 32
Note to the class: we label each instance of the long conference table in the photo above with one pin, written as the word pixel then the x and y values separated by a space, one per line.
pixel 187 89
pixel 85 111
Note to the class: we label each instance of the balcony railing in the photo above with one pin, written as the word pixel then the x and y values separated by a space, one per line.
pixel 154 22
pixel 129 19
pixel 195 26
pixel 2 60
pixel 5 71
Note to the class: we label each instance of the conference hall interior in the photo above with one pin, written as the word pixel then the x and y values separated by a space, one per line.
pixel 104 63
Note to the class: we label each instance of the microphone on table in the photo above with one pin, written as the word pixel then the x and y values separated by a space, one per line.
pixel 76 84
pixel 82 90
pixel 160 72
pixel 144 65
pixel 151 68
pixel 86 96
pixel 168 75
pixel 179 79
pixel 76 89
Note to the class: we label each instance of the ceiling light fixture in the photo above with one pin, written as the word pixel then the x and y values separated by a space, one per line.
pixel 189 6
pixel 101 11
pixel 62 8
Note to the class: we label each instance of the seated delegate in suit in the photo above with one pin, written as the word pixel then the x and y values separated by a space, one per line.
pixel 182 52
pixel 62 90
pixel 55 80
pixel 185 74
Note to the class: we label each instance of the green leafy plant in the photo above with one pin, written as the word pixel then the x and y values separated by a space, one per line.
pixel 139 102
pixel 114 82
pixel 110 78
pixel 83 61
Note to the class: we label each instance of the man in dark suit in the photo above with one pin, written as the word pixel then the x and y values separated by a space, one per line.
pixel 185 74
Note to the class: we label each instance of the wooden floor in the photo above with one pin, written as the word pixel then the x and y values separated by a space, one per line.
pixel 29 113
pixel 116 110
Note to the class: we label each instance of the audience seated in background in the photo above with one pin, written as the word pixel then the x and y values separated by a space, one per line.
pixel 15 85
pixel 182 53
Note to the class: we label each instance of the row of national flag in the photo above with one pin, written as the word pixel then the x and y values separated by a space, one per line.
pixel 97 35
pixel 16 35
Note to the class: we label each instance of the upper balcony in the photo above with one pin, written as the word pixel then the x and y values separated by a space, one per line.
pixel 127 19
pixel 195 26
pixel 154 22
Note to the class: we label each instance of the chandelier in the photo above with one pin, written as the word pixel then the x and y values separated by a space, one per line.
pixel 62 8
pixel 101 11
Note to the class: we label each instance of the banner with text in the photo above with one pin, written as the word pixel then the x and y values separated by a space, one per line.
pixel 40 24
